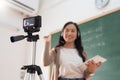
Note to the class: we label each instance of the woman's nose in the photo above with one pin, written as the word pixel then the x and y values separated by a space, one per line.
pixel 69 33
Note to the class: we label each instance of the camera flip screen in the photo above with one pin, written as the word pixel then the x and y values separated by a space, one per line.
pixel 32 24
pixel 29 22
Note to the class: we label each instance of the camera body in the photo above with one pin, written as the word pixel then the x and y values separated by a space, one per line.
pixel 32 24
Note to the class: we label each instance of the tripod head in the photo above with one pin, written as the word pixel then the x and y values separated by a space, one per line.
pixel 29 37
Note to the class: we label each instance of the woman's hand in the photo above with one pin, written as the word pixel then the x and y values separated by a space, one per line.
pixel 92 66
pixel 47 38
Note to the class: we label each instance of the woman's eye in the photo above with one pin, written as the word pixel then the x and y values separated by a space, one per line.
pixel 72 31
pixel 66 30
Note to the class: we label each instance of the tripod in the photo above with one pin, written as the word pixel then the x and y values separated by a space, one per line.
pixel 32 69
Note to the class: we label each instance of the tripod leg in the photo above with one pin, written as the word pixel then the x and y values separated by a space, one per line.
pixel 27 76
pixel 32 76
pixel 41 77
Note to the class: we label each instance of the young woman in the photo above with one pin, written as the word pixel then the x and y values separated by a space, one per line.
pixel 68 56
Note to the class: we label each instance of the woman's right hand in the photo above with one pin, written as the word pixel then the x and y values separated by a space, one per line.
pixel 47 38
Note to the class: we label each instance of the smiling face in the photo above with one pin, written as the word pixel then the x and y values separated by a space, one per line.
pixel 70 33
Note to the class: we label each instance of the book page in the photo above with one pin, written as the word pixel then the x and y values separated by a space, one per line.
pixel 97 59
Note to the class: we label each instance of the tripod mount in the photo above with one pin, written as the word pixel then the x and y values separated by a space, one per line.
pixel 30 25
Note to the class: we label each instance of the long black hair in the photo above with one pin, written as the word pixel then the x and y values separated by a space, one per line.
pixel 78 42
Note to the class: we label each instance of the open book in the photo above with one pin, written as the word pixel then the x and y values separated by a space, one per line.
pixel 97 59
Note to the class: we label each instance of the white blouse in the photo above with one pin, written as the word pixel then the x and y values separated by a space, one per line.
pixel 70 63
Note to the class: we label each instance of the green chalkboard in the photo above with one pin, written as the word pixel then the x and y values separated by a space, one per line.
pixel 101 36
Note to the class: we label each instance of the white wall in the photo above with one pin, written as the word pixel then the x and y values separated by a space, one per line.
pixel 12 55
pixel 71 10
pixel 54 14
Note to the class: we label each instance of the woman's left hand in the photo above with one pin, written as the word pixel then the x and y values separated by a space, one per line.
pixel 92 66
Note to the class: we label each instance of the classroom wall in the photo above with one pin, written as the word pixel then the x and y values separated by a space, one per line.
pixel 71 10
pixel 54 14
pixel 12 55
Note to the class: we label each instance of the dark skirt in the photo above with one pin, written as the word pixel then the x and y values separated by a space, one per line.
pixel 60 78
